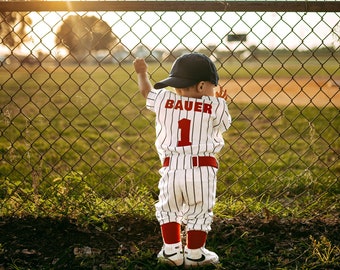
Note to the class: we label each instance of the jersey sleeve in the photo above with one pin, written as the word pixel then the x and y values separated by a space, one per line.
pixel 223 119
pixel 151 99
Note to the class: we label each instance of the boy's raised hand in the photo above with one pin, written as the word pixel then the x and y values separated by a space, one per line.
pixel 140 65
pixel 222 93
pixel 141 69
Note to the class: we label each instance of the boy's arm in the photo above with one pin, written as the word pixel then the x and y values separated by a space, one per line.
pixel 141 69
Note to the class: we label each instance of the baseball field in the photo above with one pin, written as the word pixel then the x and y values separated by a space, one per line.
pixel 78 169
pixel 303 91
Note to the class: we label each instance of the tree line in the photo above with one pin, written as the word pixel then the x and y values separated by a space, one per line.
pixel 78 34
pixel 81 35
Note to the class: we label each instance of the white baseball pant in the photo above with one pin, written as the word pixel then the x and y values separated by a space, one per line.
pixel 187 197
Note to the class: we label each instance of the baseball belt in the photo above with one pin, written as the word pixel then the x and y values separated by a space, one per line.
pixel 197 161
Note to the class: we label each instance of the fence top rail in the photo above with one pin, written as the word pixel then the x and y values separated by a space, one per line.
pixel 222 6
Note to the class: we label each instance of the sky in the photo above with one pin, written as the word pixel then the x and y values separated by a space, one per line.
pixel 159 30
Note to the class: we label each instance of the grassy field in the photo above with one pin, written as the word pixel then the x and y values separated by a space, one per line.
pixel 77 142
pixel 89 125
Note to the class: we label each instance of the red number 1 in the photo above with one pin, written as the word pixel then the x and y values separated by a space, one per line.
pixel 184 126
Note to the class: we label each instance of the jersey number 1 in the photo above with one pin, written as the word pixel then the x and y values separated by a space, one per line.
pixel 184 126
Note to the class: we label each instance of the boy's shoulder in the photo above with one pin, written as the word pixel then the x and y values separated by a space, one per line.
pixel 162 92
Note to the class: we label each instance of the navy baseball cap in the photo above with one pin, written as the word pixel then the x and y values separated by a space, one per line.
pixel 189 69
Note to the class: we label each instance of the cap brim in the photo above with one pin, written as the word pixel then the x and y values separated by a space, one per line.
pixel 174 82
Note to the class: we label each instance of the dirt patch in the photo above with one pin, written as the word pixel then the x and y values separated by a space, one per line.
pixel 285 91
pixel 133 243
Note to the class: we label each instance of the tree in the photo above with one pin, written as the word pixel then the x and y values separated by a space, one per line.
pixel 13 28
pixel 81 35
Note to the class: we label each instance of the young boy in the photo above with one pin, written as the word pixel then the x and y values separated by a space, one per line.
pixel 189 127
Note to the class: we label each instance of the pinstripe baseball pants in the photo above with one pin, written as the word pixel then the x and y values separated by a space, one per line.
pixel 187 197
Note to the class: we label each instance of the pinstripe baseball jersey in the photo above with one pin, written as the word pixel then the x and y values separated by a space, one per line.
pixel 187 127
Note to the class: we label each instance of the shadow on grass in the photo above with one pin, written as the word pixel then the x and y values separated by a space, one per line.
pixel 133 243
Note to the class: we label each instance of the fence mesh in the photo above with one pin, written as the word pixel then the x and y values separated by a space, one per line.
pixel 76 138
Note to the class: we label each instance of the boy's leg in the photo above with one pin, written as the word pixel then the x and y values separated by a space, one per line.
pixel 195 253
pixel 196 239
pixel 198 215
pixel 169 216
pixel 172 250
pixel 171 232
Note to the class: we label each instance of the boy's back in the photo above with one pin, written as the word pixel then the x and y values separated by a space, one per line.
pixel 188 126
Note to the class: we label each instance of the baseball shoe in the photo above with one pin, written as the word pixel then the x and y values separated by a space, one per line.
pixel 198 257
pixel 171 254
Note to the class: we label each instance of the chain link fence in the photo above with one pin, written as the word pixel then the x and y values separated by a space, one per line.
pixel 76 139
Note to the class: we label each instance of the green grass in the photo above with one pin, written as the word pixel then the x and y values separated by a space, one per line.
pixel 77 141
